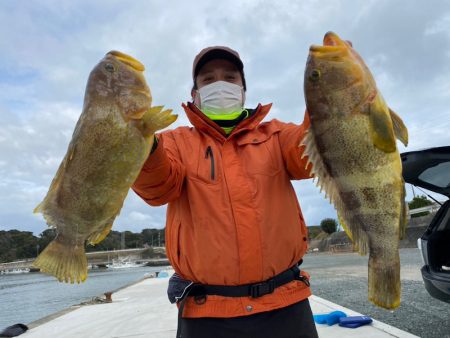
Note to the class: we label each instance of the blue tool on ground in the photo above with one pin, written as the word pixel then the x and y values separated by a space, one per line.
pixel 329 318
pixel 163 274
pixel 354 321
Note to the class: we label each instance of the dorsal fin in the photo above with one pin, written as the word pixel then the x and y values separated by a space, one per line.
pixel 326 183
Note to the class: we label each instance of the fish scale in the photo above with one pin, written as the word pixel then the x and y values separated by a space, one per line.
pixel 351 145
pixel 111 142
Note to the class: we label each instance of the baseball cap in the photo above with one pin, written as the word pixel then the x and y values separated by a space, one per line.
pixel 217 52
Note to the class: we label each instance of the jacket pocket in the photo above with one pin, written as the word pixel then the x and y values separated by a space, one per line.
pixel 208 167
pixel 261 155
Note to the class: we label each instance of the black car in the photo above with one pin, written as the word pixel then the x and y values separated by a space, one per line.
pixel 430 169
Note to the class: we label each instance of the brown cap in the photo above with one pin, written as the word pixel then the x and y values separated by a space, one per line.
pixel 217 52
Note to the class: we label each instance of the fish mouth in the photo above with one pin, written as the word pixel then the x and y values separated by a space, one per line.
pixel 332 39
pixel 333 47
pixel 128 60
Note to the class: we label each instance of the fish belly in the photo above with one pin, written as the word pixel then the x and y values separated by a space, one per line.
pixel 104 158
pixel 365 185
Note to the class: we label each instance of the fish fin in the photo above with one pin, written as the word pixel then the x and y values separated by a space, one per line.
pixel 346 229
pixel 326 183
pixel 97 237
pixel 348 232
pixel 319 171
pixel 56 181
pixel 38 208
pixel 400 130
pixel 384 281
pixel 67 263
pixel 156 119
pixel 381 126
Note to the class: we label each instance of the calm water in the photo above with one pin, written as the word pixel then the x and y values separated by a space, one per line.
pixel 27 297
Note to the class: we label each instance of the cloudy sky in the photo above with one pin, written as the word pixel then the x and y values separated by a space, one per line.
pixel 48 48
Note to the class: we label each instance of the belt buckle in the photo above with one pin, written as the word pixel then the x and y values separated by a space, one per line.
pixel 261 289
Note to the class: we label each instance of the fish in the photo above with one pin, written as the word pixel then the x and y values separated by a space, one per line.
pixel 110 143
pixel 351 144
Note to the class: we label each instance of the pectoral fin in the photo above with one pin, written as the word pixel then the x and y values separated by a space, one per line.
pixel 357 236
pixel 381 127
pixel 346 229
pixel 400 130
pixel 156 119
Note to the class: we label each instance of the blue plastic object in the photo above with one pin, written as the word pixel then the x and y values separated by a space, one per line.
pixel 163 274
pixel 329 318
pixel 354 321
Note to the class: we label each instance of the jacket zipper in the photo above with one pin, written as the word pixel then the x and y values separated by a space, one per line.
pixel 209 153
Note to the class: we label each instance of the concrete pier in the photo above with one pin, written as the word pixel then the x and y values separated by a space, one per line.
pixel 143 310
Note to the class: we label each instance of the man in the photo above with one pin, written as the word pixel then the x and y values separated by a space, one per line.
pixel 235 233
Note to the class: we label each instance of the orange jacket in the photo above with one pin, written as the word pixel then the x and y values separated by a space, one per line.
pixel 233 217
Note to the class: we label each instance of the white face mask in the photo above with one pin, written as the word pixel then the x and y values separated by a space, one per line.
pixel 220 97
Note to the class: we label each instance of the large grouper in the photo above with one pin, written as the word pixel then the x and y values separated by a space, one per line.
pixel 111 141
pixel 351 144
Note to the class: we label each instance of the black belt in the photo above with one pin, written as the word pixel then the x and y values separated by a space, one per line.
pixel 200 291
pixel 249 290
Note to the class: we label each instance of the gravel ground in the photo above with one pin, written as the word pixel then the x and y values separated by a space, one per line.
pixel 342 279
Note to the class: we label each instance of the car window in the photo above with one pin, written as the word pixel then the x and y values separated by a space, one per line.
pixel 438 175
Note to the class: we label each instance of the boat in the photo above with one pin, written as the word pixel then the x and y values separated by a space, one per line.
pixel 123 264
pixel 14 271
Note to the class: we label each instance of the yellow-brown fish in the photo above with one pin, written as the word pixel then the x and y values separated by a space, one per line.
pixel 109 146
pixel 352 146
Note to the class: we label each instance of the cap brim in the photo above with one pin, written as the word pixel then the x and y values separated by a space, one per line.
pixel 217 54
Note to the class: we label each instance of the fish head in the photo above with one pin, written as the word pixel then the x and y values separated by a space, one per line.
pixel 119 79
pixel 336 79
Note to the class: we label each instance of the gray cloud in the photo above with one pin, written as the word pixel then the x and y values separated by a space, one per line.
pixel 48 49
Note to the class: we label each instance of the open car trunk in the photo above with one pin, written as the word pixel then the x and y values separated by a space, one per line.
pixel 430 169
pixel 438 240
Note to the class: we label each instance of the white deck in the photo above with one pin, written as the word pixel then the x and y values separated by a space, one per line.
pixel 143 310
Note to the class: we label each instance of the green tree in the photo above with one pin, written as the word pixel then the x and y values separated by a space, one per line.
pixel 313 231
pixel 15 245
pixel 419 202
pixel 7 252
pixel 133 240
pixel 149 236
pixel 328 225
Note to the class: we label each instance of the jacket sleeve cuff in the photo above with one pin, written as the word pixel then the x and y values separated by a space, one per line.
pixel 157 157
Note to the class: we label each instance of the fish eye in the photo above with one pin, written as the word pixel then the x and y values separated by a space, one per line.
pixel 314 75
pixel 109 67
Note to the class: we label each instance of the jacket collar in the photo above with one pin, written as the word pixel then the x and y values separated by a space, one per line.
pixel 203 123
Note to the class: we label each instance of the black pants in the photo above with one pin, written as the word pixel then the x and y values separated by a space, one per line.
pixel 294 321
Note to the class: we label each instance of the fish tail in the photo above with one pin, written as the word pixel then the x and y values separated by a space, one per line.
pixel 384 281
pixel 66 263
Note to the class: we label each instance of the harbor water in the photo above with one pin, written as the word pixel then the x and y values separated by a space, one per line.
pixel 27 297
pixel 339 278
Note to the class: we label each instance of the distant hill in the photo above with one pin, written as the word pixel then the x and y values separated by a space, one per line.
pixel 313 231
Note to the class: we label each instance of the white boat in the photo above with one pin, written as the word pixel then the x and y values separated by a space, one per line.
pixel 123 264
pixel 14 271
